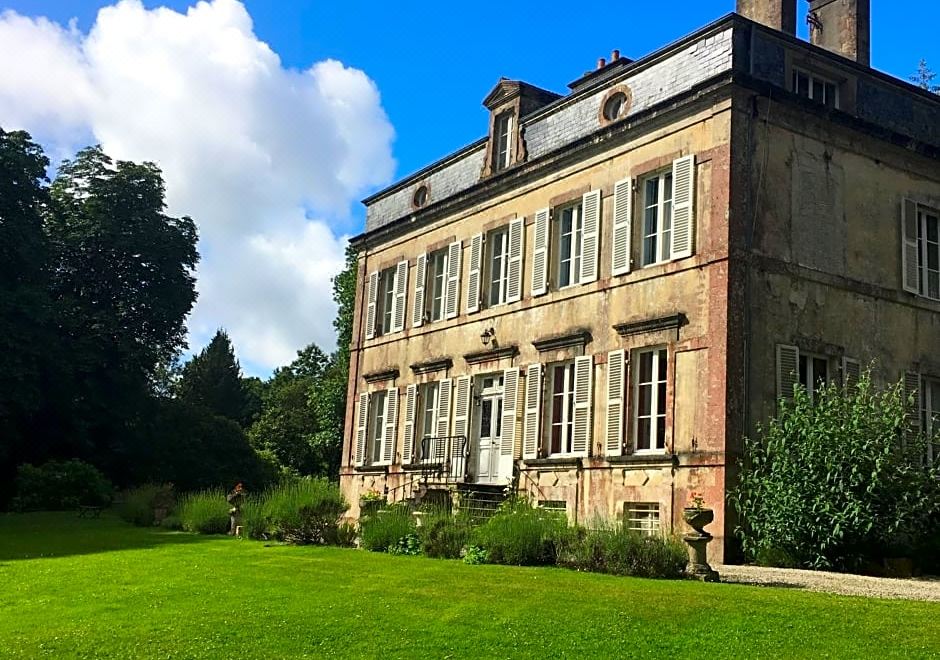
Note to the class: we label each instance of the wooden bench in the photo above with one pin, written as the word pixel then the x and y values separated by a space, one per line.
pixel 85 511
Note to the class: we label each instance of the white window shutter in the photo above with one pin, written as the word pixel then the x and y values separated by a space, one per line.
pixel 452 290
pixel 788 370
pixel 616 368
pixel 851 372
pixel 362 417
pixel 510 402
pixel 370 312
pixel 623 227
pixel 391 425
pixel 912 397
pixel 421 273
pixel 408 444
pixel 683 207
pixel 533 411
pixel 583 404
pixel 401 296
pixel 462 406
pixel 540 253
pixel 910 268
pixel 590 235
pixel 516 235
pixel 443 408
pixel 475 274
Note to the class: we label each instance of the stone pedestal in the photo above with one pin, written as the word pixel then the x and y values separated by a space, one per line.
pixel 698 541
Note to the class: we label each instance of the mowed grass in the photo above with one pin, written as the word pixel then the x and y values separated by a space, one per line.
pixel 103 589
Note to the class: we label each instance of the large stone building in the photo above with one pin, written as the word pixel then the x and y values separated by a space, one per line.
pixel 597 301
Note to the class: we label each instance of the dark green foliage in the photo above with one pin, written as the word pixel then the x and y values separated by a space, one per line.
pixel 138 506
pixel 614 549
pixel 213 379
pixel 475 555
pixel 386 528
pixel 522 535
pixel 58 485
pixel 299 511
pixel 839 483
pixel 924 78
pixel 443 535
pixel 205 512
pixel 408 546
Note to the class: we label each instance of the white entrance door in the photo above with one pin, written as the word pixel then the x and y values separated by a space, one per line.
pixel 488 430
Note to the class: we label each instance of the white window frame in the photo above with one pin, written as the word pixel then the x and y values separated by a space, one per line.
pixel 433 280
pixel 643 517
pixel 502 141
pixel 812 79
pixel 811 379
pixel 428 404
pixel 924 214
pixel 385 300
pixel 659 353
pixel 664 209
pixel 567 410
pixel 574 255
pixel 492 276
pixel 375 446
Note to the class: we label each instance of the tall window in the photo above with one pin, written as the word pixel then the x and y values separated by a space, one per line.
pixel 385 302
pixel 928 252
pixel 561 408
pixel 657 218
pixel 814 373
pixel 376 428
pixel 568 232
pixel 930 400
pixel 497 266
pixel 436 281
pixel 502 154
pixel 650 400
pixel 642 517
pixel 816 88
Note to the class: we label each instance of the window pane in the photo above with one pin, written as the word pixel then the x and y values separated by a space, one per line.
pixel 818 93
pixel 646 367
pixel 660 433
pixel 643 434
pixel 663 365
pixel 820 370
pixel 661 399
pixel 804 371
pixel 645 399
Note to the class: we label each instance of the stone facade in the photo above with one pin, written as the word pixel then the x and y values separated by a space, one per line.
pixel 622 390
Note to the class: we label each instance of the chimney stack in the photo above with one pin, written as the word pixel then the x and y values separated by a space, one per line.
pixel 842 26
pixel 615 55
pixel 778 14
pixel 601 62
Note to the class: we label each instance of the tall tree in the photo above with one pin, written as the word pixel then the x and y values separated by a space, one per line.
pixel 213 379
pixel 924 78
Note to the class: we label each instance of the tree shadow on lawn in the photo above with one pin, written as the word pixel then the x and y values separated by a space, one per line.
pixel 48 535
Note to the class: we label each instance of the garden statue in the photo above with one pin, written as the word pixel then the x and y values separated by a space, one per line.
pixel 697 516
pixel 235 498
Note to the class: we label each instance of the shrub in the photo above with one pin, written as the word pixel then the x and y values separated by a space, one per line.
pixel 522 535
pixel 838 483
pixel 172 522
pixel 474 555
pixel 205 512
pixel 386 528
pixel 254 523
pixel 409 545
pixel 138 505
pixel 58 485
pixel 615 549
pixel 300 511
pixel 345 536
pixel 443 535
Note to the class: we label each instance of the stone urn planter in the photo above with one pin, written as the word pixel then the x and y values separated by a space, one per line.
pixel 697 517
pixel 371 506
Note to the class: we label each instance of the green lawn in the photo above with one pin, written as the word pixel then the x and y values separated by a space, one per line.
pixel 99 588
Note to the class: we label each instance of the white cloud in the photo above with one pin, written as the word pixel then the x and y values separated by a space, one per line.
pixel 266 159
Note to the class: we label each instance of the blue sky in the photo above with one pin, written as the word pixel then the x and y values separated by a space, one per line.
pixel 434 62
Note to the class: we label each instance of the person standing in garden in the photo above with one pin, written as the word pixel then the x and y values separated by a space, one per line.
pixel 235 498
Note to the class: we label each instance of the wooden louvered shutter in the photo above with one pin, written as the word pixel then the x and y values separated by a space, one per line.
pixel 443 408
pixel 370 310
pixel 623 227
pixel 583 404
pixel 910 267
pixel 788 370
pixel 851 372
pixel 475 274
pixel 590 235
pixel 510 399
pixel 912 396
pixel 683 207
pixel 452 290
pixel 421 273
pixel 516 244
pixel 533 411
pixel 616 367
pixel 391 425
pixel 408 444
pixel 540 245
pixel 401 296
pixel 462 399
pixel 362 420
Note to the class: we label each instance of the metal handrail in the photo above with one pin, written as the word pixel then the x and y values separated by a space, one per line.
pixel 444 458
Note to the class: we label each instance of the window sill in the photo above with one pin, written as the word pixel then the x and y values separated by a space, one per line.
pixel 372 469
pixel 556 462
pixel 644 460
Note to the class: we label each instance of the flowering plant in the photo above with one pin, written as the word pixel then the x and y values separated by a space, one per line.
pixel 372 495
pixel 697 501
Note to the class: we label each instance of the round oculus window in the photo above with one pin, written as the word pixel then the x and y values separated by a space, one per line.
pixel 615 106
pixel 420 197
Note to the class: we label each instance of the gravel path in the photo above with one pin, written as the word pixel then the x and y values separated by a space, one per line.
pixel 835 583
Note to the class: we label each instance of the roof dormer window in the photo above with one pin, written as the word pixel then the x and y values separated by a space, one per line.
pixel 502 154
